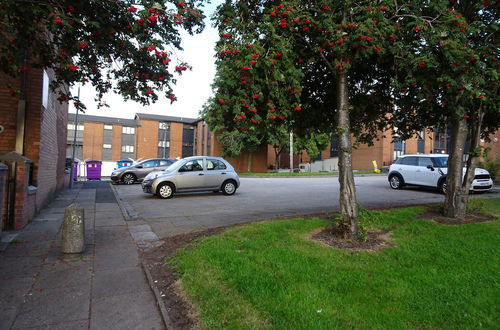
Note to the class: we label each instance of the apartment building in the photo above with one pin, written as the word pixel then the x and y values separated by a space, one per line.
pixel 150 136
pixel 101 138
pixel 145 136
pixel 166 136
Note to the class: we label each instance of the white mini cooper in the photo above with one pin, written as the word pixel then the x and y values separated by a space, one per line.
pixel 430 170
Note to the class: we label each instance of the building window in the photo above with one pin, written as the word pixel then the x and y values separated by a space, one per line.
pixel 109 127
pixel 128 130
pixel 162 125
pixel 106 146
pixel 128 149
pixel 71 126
pixel 45 91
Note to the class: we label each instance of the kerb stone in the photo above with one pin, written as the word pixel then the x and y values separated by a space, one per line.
pixel 73 232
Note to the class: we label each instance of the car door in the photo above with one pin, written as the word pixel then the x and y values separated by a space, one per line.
pixel 426 174
pixel 144 168
pixel 407 169
pixel 191 175
pixel 215 174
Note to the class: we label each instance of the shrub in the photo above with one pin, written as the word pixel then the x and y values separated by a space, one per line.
pixel 492 165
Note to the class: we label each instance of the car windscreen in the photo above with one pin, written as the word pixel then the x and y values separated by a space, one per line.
pixel 174 165
pixel 440 161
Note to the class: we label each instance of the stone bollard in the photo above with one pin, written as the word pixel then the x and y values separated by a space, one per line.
pixel 73 232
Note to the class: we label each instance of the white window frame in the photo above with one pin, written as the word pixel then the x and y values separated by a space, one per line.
pixel 108 127
pixel 106 146
pixel 128 149
pixel 128 130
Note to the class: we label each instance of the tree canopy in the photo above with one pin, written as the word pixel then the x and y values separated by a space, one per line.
pixel 127 47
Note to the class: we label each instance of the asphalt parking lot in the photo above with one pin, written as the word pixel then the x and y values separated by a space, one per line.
pixel 263 198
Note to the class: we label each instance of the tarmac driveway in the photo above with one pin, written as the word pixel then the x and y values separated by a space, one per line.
pixel 262 198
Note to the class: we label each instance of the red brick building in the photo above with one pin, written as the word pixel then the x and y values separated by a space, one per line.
pixel 146 136
pixel 32 145
pixel 150 136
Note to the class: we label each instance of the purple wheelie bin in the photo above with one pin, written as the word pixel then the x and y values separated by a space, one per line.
pixel 93 169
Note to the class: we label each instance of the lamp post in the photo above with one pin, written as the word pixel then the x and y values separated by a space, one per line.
pixel 74 143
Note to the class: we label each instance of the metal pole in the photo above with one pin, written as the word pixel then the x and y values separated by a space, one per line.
pixel 74 143
pixel 164 140
pixel 291 152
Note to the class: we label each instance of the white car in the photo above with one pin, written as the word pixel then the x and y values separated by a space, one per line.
pixel 430 170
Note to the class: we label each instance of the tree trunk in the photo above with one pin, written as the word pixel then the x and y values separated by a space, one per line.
pixel 456 198
pixel 277 153
pixel 249 162
pixel 474 152
pixel 348 204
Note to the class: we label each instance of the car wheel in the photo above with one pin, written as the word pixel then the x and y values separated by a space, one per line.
pixel 442 187
pixel 165 190
pixel 229 187
pixel 395 182
pixel 128 178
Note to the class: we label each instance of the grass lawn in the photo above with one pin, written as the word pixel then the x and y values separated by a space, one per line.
pixel 302 173
pixel 267 275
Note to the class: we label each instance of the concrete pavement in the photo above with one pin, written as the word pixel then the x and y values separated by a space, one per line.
pixel 103 288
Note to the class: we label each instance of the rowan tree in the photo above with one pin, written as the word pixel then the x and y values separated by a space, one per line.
pixel 122 46
pixel 292 64
pixel 449 77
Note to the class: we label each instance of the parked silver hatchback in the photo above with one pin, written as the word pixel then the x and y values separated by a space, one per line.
pixel 197 173
pixel 137 172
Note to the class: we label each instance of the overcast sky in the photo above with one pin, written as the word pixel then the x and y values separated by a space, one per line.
pixel 192 89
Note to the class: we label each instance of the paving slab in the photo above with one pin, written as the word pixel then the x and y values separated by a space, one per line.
pixel 16 267
pixel 13 291
pixel 128 311
pixel 8 316
pixel 119 281
pixel 69 325
pixel 43 307
pixel 28 249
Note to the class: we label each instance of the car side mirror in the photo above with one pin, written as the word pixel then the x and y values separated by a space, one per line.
pixel 430 167
pixel 138 166
pixel 182 169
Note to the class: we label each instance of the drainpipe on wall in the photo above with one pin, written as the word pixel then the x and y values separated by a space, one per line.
pixel 74 145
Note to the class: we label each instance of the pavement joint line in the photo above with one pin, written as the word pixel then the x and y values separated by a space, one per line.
pixel 167 321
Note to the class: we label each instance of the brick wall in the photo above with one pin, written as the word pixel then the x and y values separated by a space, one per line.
pixel 8 115
pixel 25 203
pixel 51 144
pixel 44 142
pixel 147 139
pixel 494 145
pixel 176 130
pixel 240 163
pixel 92 141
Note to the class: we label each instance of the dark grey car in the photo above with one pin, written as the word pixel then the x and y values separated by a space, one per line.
pixel 197 173
pixel 137 172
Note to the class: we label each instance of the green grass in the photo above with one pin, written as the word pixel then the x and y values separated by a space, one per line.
pixel 267 275
pixel 302 173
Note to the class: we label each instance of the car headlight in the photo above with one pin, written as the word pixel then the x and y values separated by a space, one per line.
pixel 114 173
